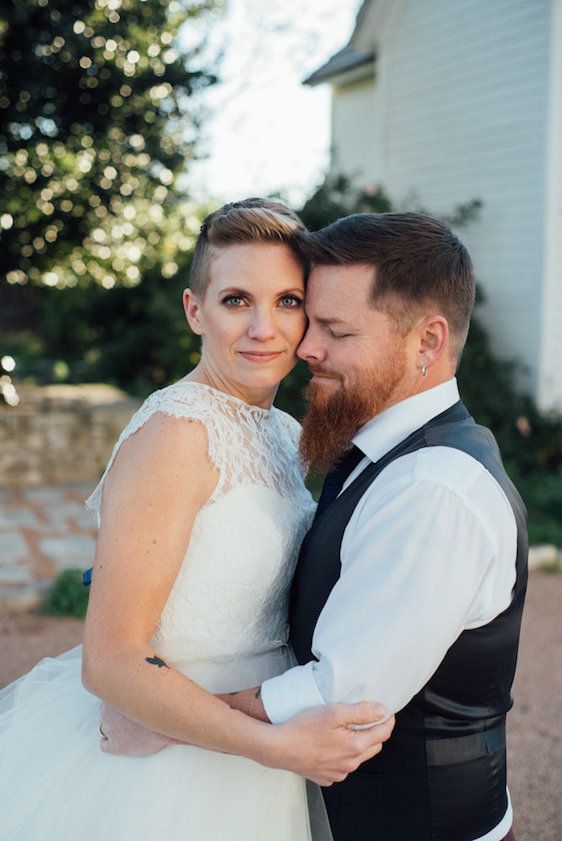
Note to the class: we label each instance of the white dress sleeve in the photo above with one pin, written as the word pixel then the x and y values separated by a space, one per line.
pixel 177 401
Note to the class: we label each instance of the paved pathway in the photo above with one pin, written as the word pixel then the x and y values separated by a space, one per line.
pixel 42 531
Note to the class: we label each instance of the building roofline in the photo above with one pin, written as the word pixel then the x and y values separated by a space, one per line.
pixel 342 62
pixel 346 59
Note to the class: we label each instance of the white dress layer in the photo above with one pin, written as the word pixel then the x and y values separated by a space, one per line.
pixel 224 625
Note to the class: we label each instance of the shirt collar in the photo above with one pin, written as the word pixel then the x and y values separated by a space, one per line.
pixel 392 426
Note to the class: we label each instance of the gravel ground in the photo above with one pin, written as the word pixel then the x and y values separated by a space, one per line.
pixel 534 739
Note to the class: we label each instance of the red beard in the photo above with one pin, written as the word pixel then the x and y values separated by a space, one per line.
pixel 334 415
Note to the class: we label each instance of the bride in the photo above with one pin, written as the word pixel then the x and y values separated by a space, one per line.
pixel 201 509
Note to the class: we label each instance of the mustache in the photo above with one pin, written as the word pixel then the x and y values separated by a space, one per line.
pixel 324 372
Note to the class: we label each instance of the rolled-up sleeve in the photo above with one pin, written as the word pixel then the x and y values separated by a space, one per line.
pixel 414 556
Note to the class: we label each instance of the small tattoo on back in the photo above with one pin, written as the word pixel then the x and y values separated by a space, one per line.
pixel 156 661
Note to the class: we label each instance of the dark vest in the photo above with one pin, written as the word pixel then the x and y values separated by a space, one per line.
pixel 442 775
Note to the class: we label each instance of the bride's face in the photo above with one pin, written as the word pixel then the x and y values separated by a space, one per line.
pixel 251 317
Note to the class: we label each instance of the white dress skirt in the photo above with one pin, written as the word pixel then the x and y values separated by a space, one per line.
pixel 224 625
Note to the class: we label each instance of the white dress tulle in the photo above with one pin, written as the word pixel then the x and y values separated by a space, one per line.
pixel 224 625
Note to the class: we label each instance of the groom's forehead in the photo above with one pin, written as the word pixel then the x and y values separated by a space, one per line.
pixel 335 289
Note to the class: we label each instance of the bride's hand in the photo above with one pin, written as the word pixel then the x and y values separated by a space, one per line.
pixel 124 737
pixel 324 745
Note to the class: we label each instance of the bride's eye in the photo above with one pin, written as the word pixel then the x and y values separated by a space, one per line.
pixel 291 302
pixel 233 301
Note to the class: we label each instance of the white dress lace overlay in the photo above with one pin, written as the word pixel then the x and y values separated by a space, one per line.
pixel 224 625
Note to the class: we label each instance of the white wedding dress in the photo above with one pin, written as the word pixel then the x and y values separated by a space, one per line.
pixel 224 625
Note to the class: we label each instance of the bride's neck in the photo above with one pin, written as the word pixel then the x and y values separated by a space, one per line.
pixel 262 397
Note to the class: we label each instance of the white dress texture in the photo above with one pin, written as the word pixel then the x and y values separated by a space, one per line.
pixel 224 625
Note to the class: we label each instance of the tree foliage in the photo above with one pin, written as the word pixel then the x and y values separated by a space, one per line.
pixel 99 112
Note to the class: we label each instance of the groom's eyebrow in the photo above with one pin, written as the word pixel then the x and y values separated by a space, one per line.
pixel 329 321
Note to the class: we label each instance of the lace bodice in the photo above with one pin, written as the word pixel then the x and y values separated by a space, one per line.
pixel 230 597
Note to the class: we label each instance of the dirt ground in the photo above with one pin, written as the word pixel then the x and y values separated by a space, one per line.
pixel 534 737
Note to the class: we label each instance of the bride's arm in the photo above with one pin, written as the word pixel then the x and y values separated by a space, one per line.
pixel 160 479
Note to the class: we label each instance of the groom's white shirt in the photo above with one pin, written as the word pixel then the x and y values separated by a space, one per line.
pixel 428 552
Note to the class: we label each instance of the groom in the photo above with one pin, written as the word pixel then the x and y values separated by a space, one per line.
pixel 411 581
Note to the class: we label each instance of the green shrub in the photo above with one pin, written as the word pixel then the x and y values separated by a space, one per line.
pixel 67 596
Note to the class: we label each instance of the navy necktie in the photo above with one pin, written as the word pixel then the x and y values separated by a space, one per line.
pixel 335 479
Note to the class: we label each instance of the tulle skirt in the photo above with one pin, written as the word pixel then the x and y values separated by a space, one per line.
pixel 56 783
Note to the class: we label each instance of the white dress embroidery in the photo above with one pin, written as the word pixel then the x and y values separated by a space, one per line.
pixel 224 625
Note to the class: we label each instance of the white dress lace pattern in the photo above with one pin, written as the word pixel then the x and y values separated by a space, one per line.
pixel 224 625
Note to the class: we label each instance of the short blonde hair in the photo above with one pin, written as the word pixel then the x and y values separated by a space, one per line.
pixel 251 220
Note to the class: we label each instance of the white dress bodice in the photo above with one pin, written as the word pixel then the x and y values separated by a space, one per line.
pixel 230 598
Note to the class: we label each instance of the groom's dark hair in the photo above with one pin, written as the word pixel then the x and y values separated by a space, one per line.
pixel 418 263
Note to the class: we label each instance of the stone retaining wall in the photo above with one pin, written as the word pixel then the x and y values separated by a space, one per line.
pixel 60 434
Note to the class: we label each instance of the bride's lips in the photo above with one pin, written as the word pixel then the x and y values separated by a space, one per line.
pixel 260 356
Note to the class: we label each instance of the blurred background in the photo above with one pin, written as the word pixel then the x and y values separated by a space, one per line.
pixel 124 122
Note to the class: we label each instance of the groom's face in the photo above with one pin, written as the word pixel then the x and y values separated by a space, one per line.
pixel 357 356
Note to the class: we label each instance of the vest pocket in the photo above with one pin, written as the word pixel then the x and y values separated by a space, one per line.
pixel 467 799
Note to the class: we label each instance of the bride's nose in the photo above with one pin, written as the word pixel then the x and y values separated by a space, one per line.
pixel 261 326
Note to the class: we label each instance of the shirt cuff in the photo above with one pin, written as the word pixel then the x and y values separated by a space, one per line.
pixel 291 693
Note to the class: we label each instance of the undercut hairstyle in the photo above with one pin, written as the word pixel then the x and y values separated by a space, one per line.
pixel 249 221
pixel 419 265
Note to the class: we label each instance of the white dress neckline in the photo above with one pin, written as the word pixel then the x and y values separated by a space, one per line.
pixel 258 411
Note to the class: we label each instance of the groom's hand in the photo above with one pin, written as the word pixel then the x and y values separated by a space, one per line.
pixel 121 736
pixel 325 744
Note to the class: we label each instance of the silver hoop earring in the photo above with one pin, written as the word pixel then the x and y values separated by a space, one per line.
pixel 424 371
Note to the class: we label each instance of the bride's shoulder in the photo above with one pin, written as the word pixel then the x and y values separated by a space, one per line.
pixel 180 398
pixel 164 414
pixel 167 437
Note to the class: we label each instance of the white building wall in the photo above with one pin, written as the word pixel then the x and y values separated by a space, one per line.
pixel 550 379
pixel 353 129
pixel 463 104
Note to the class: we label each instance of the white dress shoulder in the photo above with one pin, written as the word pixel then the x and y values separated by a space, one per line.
pixel 224 625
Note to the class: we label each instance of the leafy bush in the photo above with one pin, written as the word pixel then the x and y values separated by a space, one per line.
pixel 67 596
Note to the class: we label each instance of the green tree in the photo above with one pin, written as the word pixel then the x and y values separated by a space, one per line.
pixel 99 112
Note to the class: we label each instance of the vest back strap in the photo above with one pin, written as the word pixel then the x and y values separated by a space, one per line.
pixel 465 748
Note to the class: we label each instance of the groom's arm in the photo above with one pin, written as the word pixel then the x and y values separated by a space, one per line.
pixel 410 571
pixel 248 701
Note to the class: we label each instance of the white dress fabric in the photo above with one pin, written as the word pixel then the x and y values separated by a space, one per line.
pixel 224 625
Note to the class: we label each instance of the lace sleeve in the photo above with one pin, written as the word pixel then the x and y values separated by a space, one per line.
pixel 177 403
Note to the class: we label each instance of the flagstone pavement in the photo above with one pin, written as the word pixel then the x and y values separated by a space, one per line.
pixel 43 530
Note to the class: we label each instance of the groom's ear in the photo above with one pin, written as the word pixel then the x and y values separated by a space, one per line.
pixel 192 309
pixel 434 338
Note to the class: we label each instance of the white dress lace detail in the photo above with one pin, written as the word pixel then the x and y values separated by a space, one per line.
pixel 230 596
pixel 224 625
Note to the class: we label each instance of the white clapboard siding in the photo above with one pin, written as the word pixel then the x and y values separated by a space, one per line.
pixel 466 107
pixel 550 369
pixel 353 129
